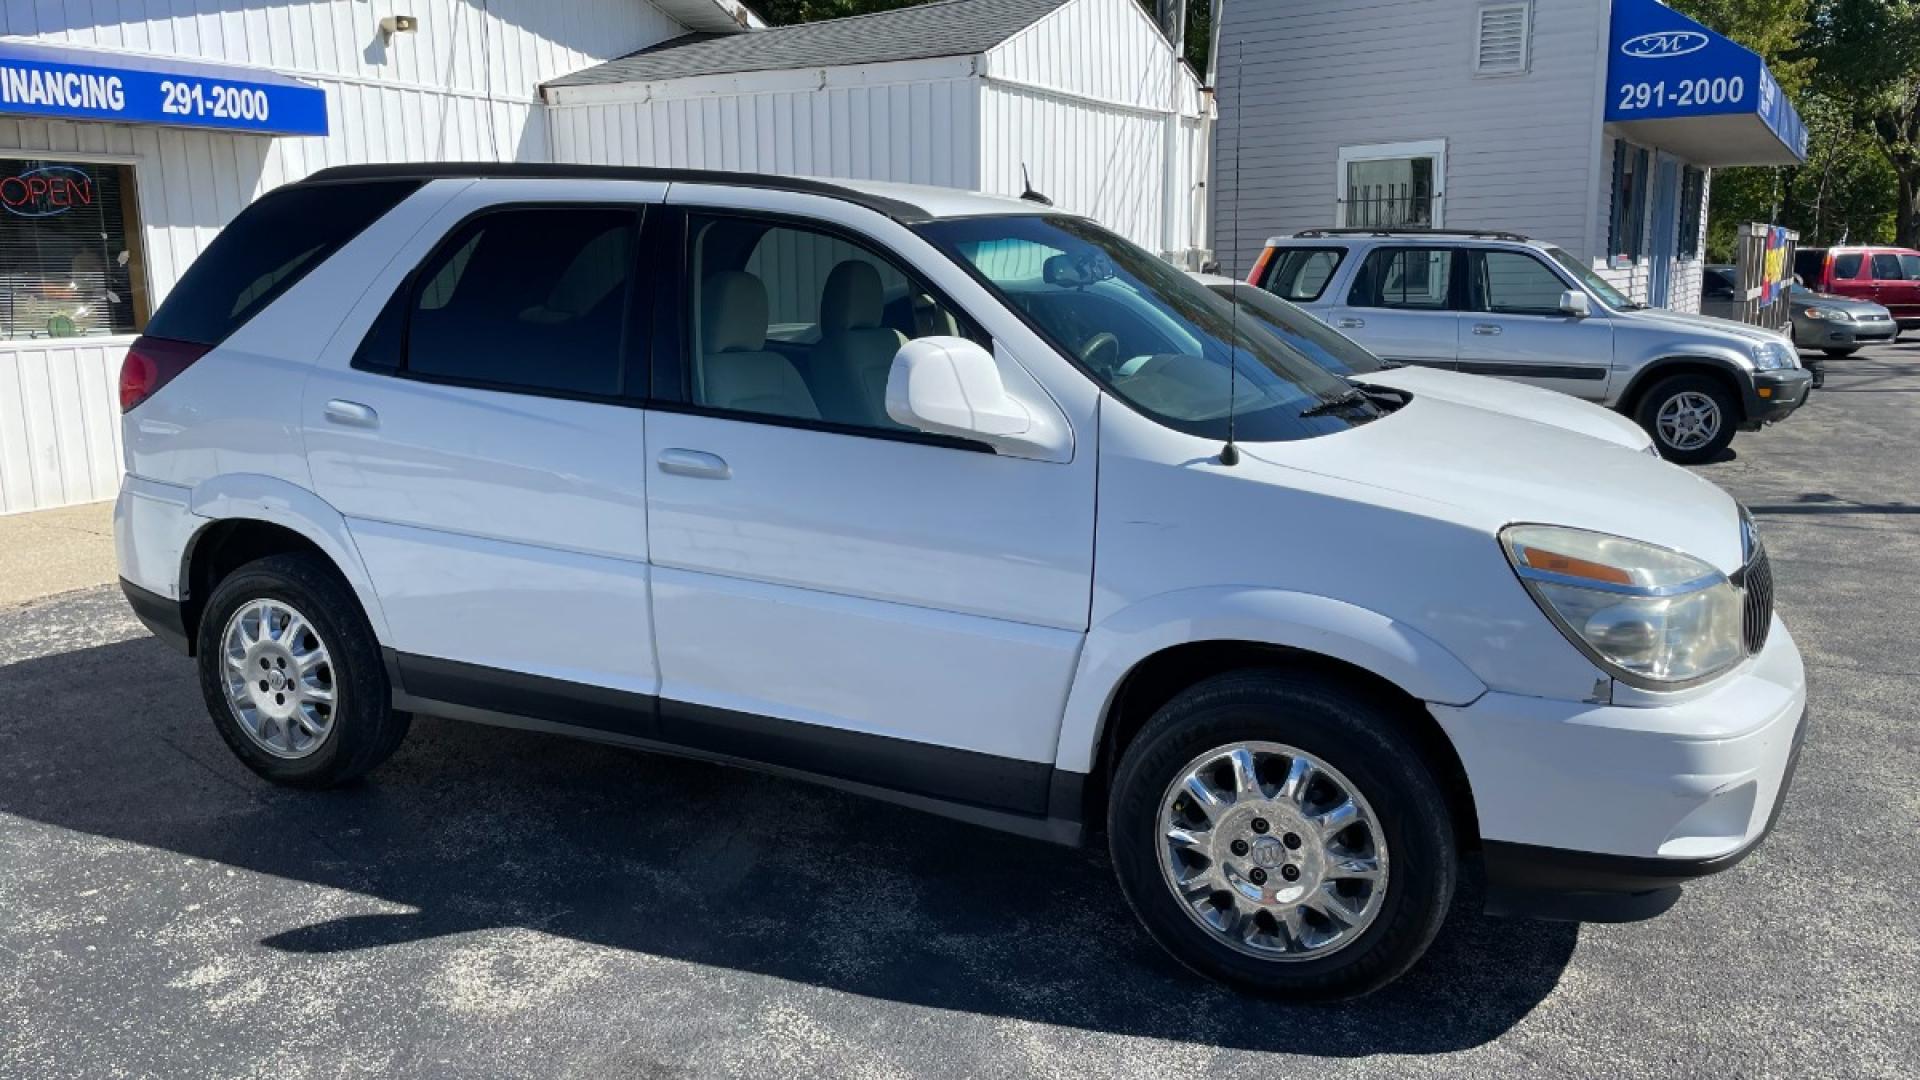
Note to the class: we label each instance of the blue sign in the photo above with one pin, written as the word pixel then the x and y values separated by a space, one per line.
pixel 1661 64
pixel 75 84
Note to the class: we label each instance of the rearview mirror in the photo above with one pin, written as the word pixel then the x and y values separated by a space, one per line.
pixel 1574 302
pixel 951 386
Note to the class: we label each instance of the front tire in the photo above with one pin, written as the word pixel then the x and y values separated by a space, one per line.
pixel 293 676
pixel 1838 353
pixel 1691 417
pixel 1273 830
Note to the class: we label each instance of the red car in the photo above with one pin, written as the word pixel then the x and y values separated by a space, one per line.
pixel 1888 276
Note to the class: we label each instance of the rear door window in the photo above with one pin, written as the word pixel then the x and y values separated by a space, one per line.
pixel 1910 267
pixel 1413 278
pixel 1886 267
pixel 1847 267
pixel 1301 274
pixel 265 251
pixel 527 299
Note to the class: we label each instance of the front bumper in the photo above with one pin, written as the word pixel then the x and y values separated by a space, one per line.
pixel 1600 811
pixel 1776 394
pixel 1824 334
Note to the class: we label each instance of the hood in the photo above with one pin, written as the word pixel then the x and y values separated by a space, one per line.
pixel 1834 300
pixel 1517 400
pixel 1689 323
pixel 1494 470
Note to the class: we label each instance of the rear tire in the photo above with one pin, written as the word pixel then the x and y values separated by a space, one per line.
pixel 293 676
pixel 1240 921
pixel 1691 417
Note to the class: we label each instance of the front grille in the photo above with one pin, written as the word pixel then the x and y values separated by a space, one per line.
pixel 1756 613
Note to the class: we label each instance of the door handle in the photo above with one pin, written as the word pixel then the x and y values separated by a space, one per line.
pixel 352 414
pixel 695 463
pixel 1350 324
pixel 1485 329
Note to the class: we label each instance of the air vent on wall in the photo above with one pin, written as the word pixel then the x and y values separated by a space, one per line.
pixel 1500 47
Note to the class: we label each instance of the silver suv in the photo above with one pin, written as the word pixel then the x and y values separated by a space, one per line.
pixel 1495 303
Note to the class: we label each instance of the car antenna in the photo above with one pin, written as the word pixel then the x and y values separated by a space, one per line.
pixel 1029 194
pixel 1230 454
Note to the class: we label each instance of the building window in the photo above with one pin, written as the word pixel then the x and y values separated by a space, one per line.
pixel 69 250
pixel 1500 45
pixel 1693 192
pixel 1627 222
pixel 1393 185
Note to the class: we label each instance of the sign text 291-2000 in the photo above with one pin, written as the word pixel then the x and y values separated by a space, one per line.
pixel 194 98
pixel 1686 92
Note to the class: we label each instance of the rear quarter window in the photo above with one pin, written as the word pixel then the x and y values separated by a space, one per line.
pixel 1847 267
pixel 1302 274
pixel 265 251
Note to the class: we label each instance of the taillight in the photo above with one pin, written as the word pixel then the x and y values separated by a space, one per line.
pixel 1259 270
pixel 152 363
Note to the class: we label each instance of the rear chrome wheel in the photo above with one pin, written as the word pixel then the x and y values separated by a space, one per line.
pixel 1273 851
pixel 279 678
pixel 293 675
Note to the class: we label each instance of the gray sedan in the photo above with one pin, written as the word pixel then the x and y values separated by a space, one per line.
pixel 1835 325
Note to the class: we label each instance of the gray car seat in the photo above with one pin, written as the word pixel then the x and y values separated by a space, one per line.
pixel 736 370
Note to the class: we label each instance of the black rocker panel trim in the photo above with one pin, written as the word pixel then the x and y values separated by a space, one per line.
pixel 1028 789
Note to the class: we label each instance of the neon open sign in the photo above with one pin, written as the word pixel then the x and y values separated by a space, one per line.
pixel 46 192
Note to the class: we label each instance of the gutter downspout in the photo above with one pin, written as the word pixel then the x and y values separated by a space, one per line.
pixel 1174 22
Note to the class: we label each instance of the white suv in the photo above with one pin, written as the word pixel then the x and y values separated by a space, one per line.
pixel 955 501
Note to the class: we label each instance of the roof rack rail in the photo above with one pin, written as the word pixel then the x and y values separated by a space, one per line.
pixel 1413 230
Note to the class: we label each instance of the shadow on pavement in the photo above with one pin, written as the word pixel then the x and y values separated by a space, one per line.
pixel 475 828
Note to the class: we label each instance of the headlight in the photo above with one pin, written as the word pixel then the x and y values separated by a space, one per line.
pixel 1773 355
pixel 1827 314
pixel 1649 616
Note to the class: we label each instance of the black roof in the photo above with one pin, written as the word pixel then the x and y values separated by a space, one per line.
pixel 941 28
pixel 904 212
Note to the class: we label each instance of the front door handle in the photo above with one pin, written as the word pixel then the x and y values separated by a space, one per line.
pixel 695 463
pixel 1486 329
pixel 352 414
pixel 1351 324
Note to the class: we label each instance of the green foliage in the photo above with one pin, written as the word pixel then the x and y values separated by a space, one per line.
pixel 1868 53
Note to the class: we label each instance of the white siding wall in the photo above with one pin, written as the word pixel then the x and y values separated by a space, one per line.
pixel 1683 288
pixel 1299 80
pixel 463 87
pixel 1081 99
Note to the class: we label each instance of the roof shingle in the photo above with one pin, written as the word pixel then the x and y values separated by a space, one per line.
pixel 941 28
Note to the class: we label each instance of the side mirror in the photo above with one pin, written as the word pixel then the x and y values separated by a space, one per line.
pixel 1574 302
pixel 951 386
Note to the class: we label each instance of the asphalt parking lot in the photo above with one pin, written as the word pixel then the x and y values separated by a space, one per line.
pixel 500 903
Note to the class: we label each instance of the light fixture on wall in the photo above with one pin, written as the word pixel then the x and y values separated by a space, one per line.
pixel 398 24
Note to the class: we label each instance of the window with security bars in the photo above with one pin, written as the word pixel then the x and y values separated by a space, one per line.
pixel 70 259
pixel 1500 45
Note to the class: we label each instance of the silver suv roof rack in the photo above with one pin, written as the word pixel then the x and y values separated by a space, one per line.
pixel 1477 234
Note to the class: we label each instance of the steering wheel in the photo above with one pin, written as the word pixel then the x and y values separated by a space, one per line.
pixel 1102 340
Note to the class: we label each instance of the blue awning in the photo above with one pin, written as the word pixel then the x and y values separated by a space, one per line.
pixel 83 84
pixel 1678 86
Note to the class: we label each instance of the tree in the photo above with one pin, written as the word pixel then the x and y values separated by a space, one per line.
pixel 1869 58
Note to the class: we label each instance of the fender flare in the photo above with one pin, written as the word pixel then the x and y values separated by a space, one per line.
pixel 254 497
pixel 1660 368
pixel 1366 639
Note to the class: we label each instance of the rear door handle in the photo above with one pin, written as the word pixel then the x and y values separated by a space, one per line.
pixel 695 463
pixel 1485 329
pixel 352 414
pixel 1350 324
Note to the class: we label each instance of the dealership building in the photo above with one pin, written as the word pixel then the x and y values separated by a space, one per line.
pixel 131 133
pixel 1591 124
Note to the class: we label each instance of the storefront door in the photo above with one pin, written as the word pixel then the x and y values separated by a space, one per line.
pixel 1666 209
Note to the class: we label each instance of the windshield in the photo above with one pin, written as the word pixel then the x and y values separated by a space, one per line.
pixel 1595 284
pixel 1154 337
pixel 1300 331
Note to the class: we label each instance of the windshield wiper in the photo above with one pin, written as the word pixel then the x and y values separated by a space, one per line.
pixel 1344 401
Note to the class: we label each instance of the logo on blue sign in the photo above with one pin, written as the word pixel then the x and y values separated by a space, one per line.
pixel 1663 44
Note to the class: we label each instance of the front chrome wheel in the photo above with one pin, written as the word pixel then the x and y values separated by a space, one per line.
pixel 1688 420
pixel 1272 851
pixel 279 678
